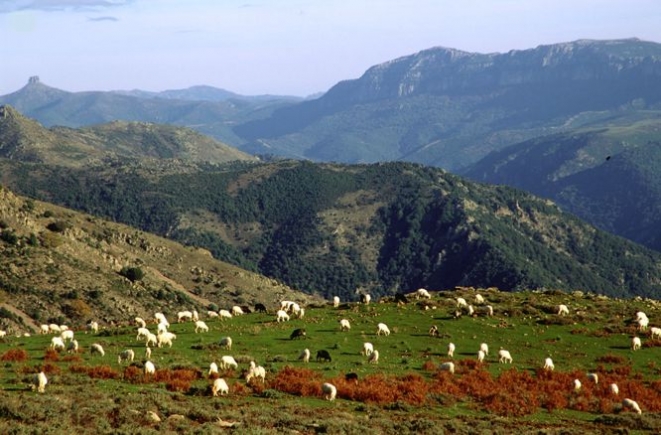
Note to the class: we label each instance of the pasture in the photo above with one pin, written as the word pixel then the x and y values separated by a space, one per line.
pixel 405 392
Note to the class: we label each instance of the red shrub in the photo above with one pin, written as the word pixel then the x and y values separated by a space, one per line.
pixel 15 355
pixel 72 358
pixel 429 366
pixel 300 382
pixel 180 385
pixel 51 355
pixel 50 369
pixel 96 372
pixel 609 358
pixel 133 375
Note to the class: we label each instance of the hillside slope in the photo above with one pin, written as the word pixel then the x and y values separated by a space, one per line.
pixel 60 266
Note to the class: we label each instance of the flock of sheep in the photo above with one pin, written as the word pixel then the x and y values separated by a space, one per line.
pixel 65 341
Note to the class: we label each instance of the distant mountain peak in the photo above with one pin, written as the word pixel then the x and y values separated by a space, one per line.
pixel 33 80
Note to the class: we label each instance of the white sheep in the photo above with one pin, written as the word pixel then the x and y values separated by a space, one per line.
pixel 655 332
pixel 213 369
pixel 305 355
pixel 258 372
pixel 165 338
pixel 220 387
pixel 54 328
pixel 640 315
pixel 563 310
pixel 345 325
pixel 140 322
pixel 447 367
pixel 336 301
pixel 212 314
pixel 162 328
pixel 593 377
pixel 282 316
pixel 451 348
pixel 57 343
pixel 142 333
pixel 484 348
pixel 329 391
pixel 72 346
pixel 224 314
pixel 150 369
pixel 160 318
pixel 548 364
pixel 148 352
pixel 479 299
pixel 126 355
pixel 636 343
pixel 382 329
pixel 300 313
pixel 489 310
pixel 196 316
pixel 368 348
pixel 184 315
pixel 151 339
pixel 374 357
pixel 227 361
pixel 632 405
pixel 67 334
pixel 226 343
pixel 294 308
pixel 93 326
pixel 504 356
pixel 201 326
pixel 44 329
pixel 63 328
pixel 285 305
pixel 461 303
pixel 237 311
pixel 643 323
pixel 366 299
pixel 97 348
pixel 480 356
pixel 614 389
pixel 577 385
pixel 422 293
pixel 39 382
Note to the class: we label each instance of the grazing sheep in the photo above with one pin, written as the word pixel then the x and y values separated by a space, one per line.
pixel 227 362
pixel 282 316
pixel 298 333
pixel 300 313
pixel 54 328
pixel 213 369
pixel 226 343
pixel 184 315
pixel 632 405
pixel 305 355
pixel 140 322
pixel 563 310
pixel 336 301
pixel 365 299
pixel 447 367
pixel 294 308
pixel 643 323
pixel 93 326
pixel 142 332
pixel 224 314
pixel 636 343
pixel 220 387
pixel 127 355
pixel 67 334
pixel 480 356
pixel 593 377
pixel 489 310
pixel 237 311
pixel 39 382
pixel 260 308
pixel 479 299
pixel 57 343
pixel 44 329
pixel 72 346
pixel 151 339
pixel 97 348
pixel 258 372
pixel 484 348
pixel 211 314
pixel 368 348
pixel 165 338
pixel 655 332
pixel 461 303
pixel 614 389
pixel 196 316
pixel 382 329
pixel 201 326
pixel 285 305
pixel 504 356
pixel 548 364
pixel 150 369
pixel 423 294
pixel 374 357
pixel 345 325
pixel 148 352
pixel 323 355
pixel 351 377
pixel 401 299
pixel 577 385
pixel 160 317
pixel 640 315
pixel 329 391
pixel 433 331
pixel 162 328
pixel 451 348
pixel 471 310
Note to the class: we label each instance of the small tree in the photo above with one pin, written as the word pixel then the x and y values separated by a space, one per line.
pixel 132 273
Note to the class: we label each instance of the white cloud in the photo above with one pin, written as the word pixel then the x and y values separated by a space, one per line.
pixel 8 6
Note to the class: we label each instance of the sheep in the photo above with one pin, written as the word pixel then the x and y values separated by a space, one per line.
pixel 54 328
pixel 226 343
pixel 201 326
pixel 160 318
pixel 39 382
pixel 162 328
pixel 504 356
pixel 285 305
pixel 484 348
pixel 655 332
pixel 577 385
pixel 63 328
pixel 329 391
pixel 548 364
pixel 184 315
pixel 368 348
pixel 57 343
pixel 300 313
pixel 282 316
pixel 148 352
pixel 237 311
pixel 93 326
pixel 351 377
pixel 479 299
pixel 142 332
pixel 640 315
pixel 298 333
pixel 451 348
pixel 97 348
pixel 345 325
pixel 563 310
pixel 304 355
pixel 140 322
pixel 636 343
pixel 258 372
pixel 323 355
pixel 365 299
pixel 447 366
pixel 422 293
pixel 461 303
pixel 67 334
pixel 227 361
pixel 220 387
pixel 224 314
pixel 196 316
pixel 632 405
pixel 72 346
pixel 212 314
pixel 489 310
pixel 480 356
pixel 382 329
pixel 44 329
pixel 127 355
pixel 150 369
pixel 165 338
pixel 471 310
pixel 433 331
pixel 374 357
pixel 213 369
pixel 336 301
pixel 643 323
pixel 151 339
pixel 614 389
pixel 401 299
pixel 260 308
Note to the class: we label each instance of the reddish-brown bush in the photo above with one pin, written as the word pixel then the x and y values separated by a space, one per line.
pixel 51 355
pixel 609 358
pixel 429 366
pixel 297 381
pixel 15 355
pixel 72 358
pixel 133 374
pixel 179 385
pixel 96 372
pixel 50 369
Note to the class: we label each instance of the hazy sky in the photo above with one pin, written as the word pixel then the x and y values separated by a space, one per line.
pixel 295 47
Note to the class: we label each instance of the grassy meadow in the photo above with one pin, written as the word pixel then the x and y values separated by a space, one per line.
pixel 404 393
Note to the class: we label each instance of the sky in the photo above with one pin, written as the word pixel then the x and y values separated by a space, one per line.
pixel 282 47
